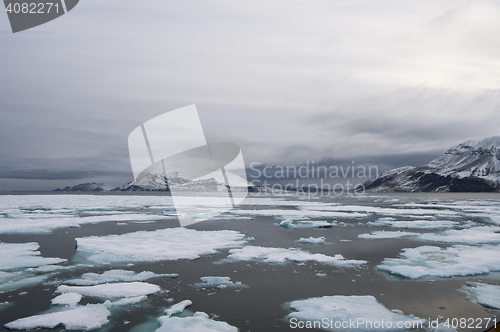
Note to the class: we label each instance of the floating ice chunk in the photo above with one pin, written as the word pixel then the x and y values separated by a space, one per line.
pixel 313 240
pixel 110 291
pixel 219 282
pixel 304 223
pixel 364 311
pixel 163 244
pixel 287 223
pixel 16 280
pixel 321 275
pixel 473 235
pixel 198 322
pixel 89 279
pixel 125 301
pixel 280 255
pixel 89 317
pixel 430 261
pixel 316 223
pixel 19 264
pixel 22 255
pixel 486 295
pixel 387 235
pixel 178 308
pixel 70 299
pixel 423 224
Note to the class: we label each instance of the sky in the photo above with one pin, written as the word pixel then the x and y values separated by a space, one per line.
pixel 387 83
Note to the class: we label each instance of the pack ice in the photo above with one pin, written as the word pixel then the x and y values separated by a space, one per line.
pixel 364 311
pixel 431 261
pixel 164 244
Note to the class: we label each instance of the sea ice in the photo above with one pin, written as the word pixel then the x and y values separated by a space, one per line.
pixel 89 279
pixel 422 224
pixel 313 240
pixel 364 311
pixel 486 295
pixel 473 235
pixel 21 262
pixel 198 322
pixel 89 317
pixel 430 261
pixel 299 213
pixel 35 226
pixel 125 301
pixel 70 299
pixel 22 255
pixel 163 244
pixel 305 223
pixel 178 308
pixel 218 282
pixel 387 235
pixel 281 255
pixel 111 291
pixel 378 210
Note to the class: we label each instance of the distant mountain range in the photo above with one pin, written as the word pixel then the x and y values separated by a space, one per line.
pixel 213 182
pixel 472 166
pixel 87 187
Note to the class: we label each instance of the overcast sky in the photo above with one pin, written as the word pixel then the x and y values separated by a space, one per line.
pixel 386 82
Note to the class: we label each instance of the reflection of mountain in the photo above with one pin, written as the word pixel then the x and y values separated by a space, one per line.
pixel 472 166
pixel 87 187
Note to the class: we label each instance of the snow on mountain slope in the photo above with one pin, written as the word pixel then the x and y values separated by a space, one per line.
pixel 472 166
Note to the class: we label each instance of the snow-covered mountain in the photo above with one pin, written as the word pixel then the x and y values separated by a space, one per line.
pixel 87 187
pixel 212 182
pixel 472 166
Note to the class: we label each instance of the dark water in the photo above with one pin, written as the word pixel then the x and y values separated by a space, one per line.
pixel 260 307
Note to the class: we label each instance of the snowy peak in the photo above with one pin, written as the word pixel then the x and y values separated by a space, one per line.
pixel 470 159
pixel 212 182
pixel 471 166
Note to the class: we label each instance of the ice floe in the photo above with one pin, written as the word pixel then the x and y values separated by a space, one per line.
pixel 89 317
pixel 387 235
pixel 22 255
pixel 305 223
pixel 312 240
pixel 281 255
pixel 21 264
pixel 112 291
pixel 422 224
pixel 486 295
pixel 90 279
pixel 431 261
pixel 70 299
pixel 178 308
pixel 378 210
pixel 299 213
pixel 198 322
pixel 344 313
pixel 219 282
pixel 473 235
pixel 35 226
pixel 164 244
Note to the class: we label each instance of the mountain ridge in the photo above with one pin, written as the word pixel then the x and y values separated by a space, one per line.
pixel 471 166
